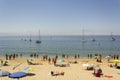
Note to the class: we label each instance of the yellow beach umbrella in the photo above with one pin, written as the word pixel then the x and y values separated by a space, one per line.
pixel 116 61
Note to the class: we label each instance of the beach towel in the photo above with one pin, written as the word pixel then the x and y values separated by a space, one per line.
pixel 108 76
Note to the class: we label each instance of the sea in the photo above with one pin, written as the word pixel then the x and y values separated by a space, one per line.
pixel 52 45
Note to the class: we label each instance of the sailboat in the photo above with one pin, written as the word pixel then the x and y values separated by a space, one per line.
pixel 38 41
pixel 30 39
pixel 112 38
pixel 93 40
pixel 83 37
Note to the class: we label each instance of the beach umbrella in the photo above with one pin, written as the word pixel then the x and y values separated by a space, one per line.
pixel 61 60
pixel 108 57
pixel 116 61
pixel 28 69
pixel 4 73
pixel 31 58
pixel 17 75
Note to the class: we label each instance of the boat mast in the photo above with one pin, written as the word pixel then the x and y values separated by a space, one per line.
pixel 83 37
pixel 30 38
pixel 39 35
pixel 93 39
pixel 113 39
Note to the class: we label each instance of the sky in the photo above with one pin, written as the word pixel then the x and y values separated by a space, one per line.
pixel 59 17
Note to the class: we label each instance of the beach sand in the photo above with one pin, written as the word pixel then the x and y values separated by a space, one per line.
pixel 74 72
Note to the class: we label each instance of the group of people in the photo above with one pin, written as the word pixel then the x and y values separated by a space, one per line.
pixel 49 59
pixel 67 56
pixel 34 55
pixel 90 56
pixel 12 56
pixel 114 66
pixel 115 56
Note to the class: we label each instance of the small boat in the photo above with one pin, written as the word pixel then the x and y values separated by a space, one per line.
pixel 93 40
pixel 25 39
pixel 30 39
pixel 38 41
pixel 112 38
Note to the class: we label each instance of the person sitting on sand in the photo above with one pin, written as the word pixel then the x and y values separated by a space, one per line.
pixel 110 65
pixel 99 70
pixel 4 62
pixel 114 66
pixel 98 73
pixel 90 68
pixel 56 73
pixel 31 63
pixel 74 62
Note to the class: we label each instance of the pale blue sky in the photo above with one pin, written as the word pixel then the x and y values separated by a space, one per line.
pixel 59 17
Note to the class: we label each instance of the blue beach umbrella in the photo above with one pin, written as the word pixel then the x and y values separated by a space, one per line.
pixel 61 60
pixel 17 75
pixel 108 57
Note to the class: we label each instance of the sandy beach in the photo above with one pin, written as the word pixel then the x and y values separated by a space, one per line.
pixel 73 72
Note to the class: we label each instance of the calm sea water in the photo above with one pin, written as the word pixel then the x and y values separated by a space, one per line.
pixel 52 45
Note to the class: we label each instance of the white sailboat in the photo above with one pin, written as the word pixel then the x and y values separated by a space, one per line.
pixel 93 40
pixel 112 38
pixel 38 41
pixel 30 39
pixel 83 37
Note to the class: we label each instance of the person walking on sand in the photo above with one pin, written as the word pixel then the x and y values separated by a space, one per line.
pixel 49 60
pixel 67 56
pixel 78 56
pixel 6 55
pixel 75 56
